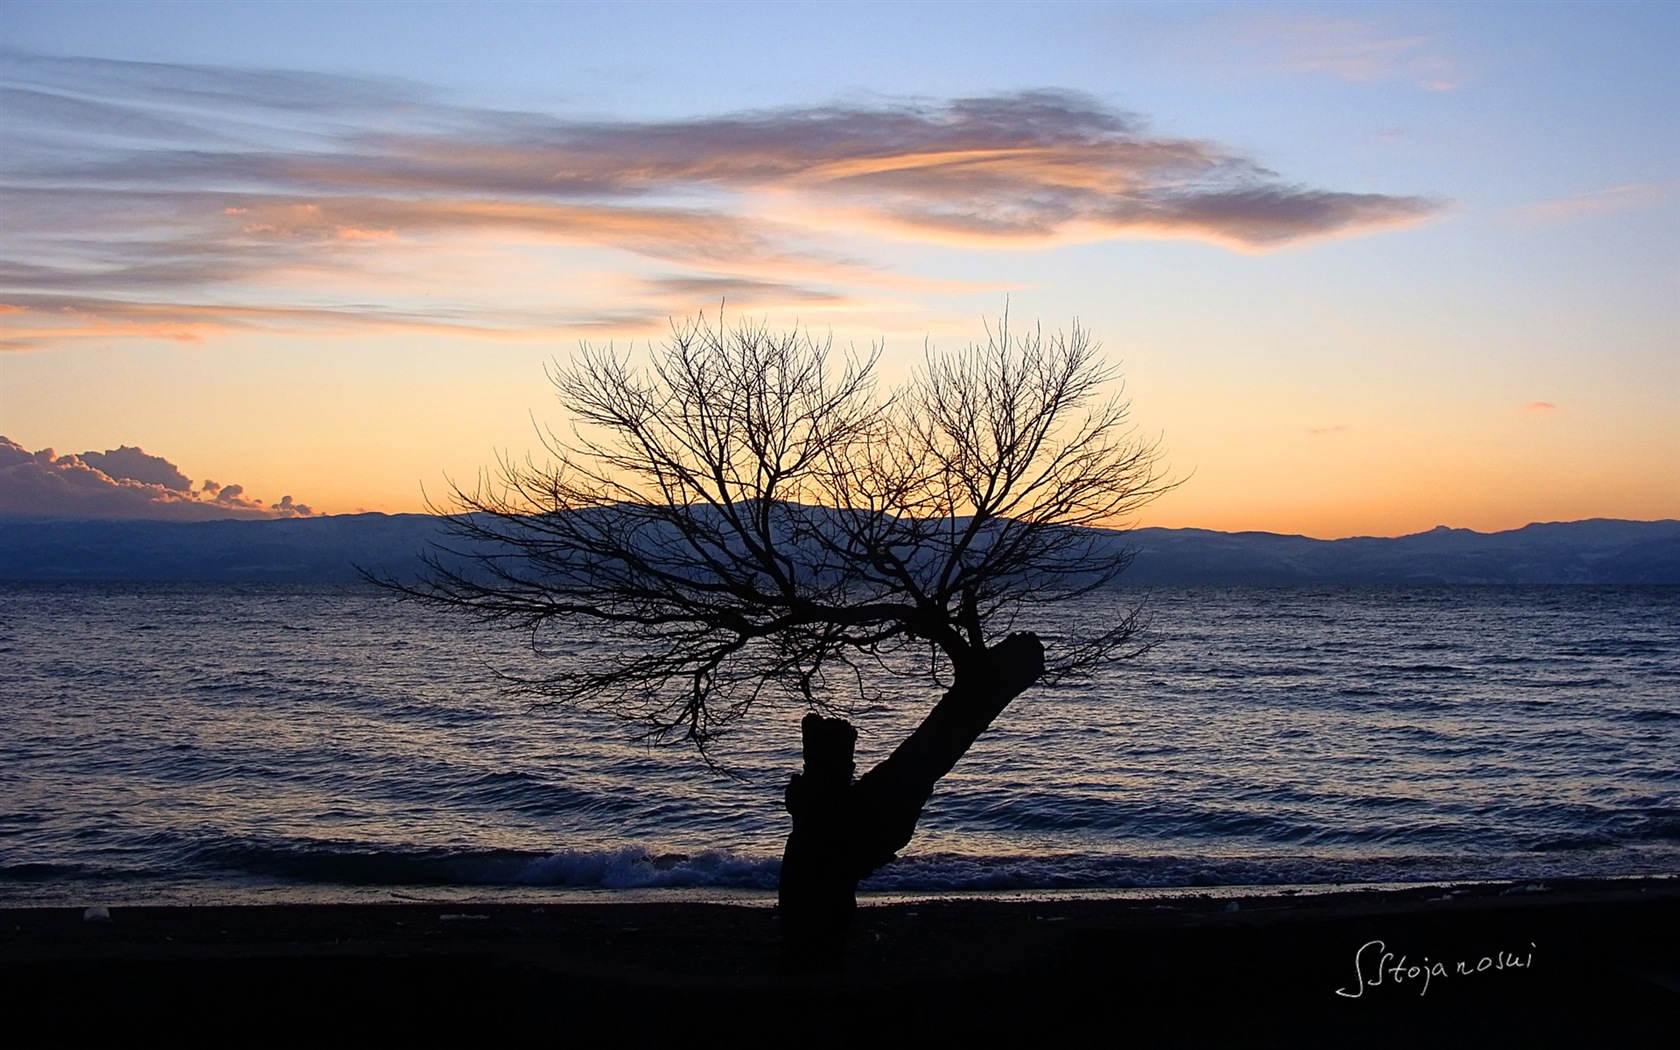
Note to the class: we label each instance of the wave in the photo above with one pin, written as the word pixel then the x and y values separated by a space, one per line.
pixel 322 864
pixel 355 865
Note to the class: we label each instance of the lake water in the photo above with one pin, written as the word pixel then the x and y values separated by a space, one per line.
pixel 182 743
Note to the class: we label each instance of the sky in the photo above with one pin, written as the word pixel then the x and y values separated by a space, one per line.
pixel 1366 268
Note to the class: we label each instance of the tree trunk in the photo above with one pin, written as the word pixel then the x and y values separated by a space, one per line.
pixel 843 829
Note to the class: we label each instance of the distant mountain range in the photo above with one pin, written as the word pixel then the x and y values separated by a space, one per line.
pixel 328 549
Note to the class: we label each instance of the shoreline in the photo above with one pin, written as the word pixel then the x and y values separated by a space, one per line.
pixel 1596 958
pixel 132 895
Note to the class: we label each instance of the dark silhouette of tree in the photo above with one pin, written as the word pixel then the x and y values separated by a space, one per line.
pixel 745 516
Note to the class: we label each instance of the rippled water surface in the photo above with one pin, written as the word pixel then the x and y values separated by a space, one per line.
pixel 238 742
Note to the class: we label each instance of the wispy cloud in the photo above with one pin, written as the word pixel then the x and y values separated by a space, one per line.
pixel 1625 197
pixel 1357 50
pixel 176 200
pixel 1539 407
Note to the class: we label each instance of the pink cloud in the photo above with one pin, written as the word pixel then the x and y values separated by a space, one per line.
pixel 179 237
pixel 1356 50
pixel 1627 196
pixel 120 483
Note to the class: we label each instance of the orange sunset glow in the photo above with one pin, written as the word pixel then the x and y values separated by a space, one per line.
pixel 1352 289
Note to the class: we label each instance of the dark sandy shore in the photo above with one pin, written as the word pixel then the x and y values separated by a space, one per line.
pixel 1588 963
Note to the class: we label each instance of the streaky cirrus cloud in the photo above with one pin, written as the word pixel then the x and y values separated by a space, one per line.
pixel 122 483
pixel 1359 50
pixel 1625 197
pixel 173 201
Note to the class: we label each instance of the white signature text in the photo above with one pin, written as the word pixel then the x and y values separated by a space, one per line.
pixel 1374 965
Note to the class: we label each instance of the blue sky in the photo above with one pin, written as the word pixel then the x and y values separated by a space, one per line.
pixel 1368 268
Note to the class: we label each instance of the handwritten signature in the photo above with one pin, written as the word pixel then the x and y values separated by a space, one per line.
pixel 1374 964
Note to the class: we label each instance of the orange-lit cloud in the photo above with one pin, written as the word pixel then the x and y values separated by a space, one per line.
pixel 184 226
pixel 121 483
pixel 71 317
pixel 1540 407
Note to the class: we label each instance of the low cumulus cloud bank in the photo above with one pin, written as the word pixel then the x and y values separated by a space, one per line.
pixel 120 483
pixel 165 200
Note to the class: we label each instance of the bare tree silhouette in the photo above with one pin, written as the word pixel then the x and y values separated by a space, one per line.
pixel 745 516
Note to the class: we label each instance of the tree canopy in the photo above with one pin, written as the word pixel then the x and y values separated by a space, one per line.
pixel 745 510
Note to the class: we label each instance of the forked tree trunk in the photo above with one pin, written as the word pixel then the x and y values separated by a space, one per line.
pixel 844 829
